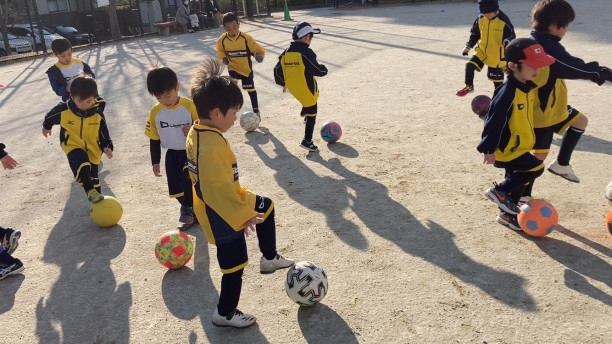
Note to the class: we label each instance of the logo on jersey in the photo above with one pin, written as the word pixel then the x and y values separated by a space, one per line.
pixel 235 169
pixel 521 106
pixel 70 122
pixel 168 125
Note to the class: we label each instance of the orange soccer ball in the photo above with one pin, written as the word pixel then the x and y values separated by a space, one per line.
pixel 609 222
pixel 538 218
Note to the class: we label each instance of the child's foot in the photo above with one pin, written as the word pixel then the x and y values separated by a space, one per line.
pixel 11 269
pixel 509 221
pixel 94 196
pixel 467 89
pixel 10 239
pixel 235 319
pixel 279 262
pixel 186 215
pixel 563 171
pixel 309 145
pixel 502 200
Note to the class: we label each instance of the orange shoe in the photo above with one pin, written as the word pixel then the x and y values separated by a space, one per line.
pixel 467 89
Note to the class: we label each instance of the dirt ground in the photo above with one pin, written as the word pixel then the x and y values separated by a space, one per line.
pixel 394 212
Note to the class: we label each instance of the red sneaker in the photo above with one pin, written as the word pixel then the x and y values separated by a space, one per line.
pixel 467 89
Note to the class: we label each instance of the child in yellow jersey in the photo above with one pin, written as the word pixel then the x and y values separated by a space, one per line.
pixel 66 69
pixel 83 133
pixel 167 127
pixel 507 136
pixel 226 211
pixel 235 48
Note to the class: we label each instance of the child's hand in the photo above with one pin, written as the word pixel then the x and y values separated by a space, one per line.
pixel 157 170
pixel 250 225
pixel 46 133
pixel 465 51
pixel 284 89
pixel 259 57
pixel 8 162
pixel 108 152
pixel 489 159
pixel 186 129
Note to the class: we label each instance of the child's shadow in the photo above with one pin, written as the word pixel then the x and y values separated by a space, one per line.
pixel 589 143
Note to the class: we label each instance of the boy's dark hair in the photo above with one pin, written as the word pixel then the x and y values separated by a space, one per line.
pixel 160 80
pixel 209 90
pixel 84 86
pixel 551 12
pixel 229 17
pixel 508 71
pixel 60 45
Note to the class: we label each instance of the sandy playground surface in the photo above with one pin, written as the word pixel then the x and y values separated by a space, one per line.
pixel 394 212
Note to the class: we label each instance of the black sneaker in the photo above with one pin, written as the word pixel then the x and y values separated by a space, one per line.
pixel 11 269
pixel 186 215
pixel 10 239
pixel 509 221
pixel 309 145
pixel 503 201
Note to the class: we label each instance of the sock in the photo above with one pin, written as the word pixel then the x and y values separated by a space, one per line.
pixel 84 177
pixel 254 103
pixel 231 285
pixel 569 142
pixel 309 128
pixel 469 74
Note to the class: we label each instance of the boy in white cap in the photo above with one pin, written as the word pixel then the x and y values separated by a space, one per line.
pixel 296 70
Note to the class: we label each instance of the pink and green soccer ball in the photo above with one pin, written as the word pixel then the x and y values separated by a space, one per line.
pixel 173 249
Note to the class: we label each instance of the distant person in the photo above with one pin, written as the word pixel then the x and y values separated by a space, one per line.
pixel 491 32
pixel 235 48
pixel 507 136
pixel 226 211
pixel 296 70
pixel 62 73
pixel 167 127
pixel 9 237
pixel 83 133
pixel 182 16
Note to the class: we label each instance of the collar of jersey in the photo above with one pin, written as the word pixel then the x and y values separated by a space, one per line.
pixel 180 102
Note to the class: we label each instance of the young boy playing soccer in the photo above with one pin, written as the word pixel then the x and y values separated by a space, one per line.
pixel 235 48
pixel 9 237
pixel 66 69
pixel 296 70
pixel 226 211
pixel 550 20
pixel 492 31
pixel 507 137
pixel 167 127
pixel 83 133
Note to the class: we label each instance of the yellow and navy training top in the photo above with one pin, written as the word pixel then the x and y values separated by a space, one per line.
pixel 296 69
pixel 61 75
pixel 85 130
pixel 220 203
pixel 239 51
pixel 166 123
pixel 551 100
pixel 492 36
pixel 508 127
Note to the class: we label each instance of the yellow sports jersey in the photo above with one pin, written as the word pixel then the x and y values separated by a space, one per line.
pixel 239 51
pixel 491 35
pixel 555 110
pixel 221 205
pixel 166 123
pixel 71 70
pixel 85 130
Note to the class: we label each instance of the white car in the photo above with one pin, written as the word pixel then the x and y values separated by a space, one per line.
pixel 24 31
pixel 17 45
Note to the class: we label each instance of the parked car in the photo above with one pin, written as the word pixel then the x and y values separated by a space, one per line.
pixel 24 31
pixel 16 44
pixel 75 36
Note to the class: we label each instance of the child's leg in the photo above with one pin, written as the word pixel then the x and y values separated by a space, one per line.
pixel 496 75
pixel 176 174
pixel 266 231
pixel 231 286
pixel 572 136
pixel 310 113
pixel 95 180
pixel 248 84
pixel 474 64
pixel 232 258
pixel 81 168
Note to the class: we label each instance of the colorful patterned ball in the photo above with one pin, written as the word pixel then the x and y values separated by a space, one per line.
pixel 174 249
pixel 107 212
pixel 331 132
pixel 538 218
pixel 306 283
pixel 249 121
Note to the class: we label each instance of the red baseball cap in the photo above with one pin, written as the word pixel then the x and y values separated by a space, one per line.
pixel 529 52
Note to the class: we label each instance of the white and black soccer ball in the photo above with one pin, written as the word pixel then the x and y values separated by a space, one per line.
pixel 608 194
pixel 249 121
pixel 306 283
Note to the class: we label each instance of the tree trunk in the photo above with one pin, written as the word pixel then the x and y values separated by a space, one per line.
pixel 114 21
pixel 162 5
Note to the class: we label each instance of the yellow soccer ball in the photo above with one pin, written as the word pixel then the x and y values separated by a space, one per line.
pixel 107 212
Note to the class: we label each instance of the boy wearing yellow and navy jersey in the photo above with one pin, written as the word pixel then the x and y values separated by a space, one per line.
pixel 492 30
pixel 296 70
pixel 62 73
pixel 508 136
pixel 83 133
pixel 235 48
pixel 226 211
pixel 167 127
pixel 550 20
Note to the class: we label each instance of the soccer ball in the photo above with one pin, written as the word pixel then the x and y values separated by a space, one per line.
pixel 107 212
pixel 249 121
pixel 608 193
pixel 174 249
pixel 609 222
pixel 480 104
pixel 306 283
pixel 331 132
pixel 538 218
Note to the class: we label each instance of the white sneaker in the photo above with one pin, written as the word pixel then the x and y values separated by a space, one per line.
pixel 563 171
pixel 269 266
pixel 235 319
